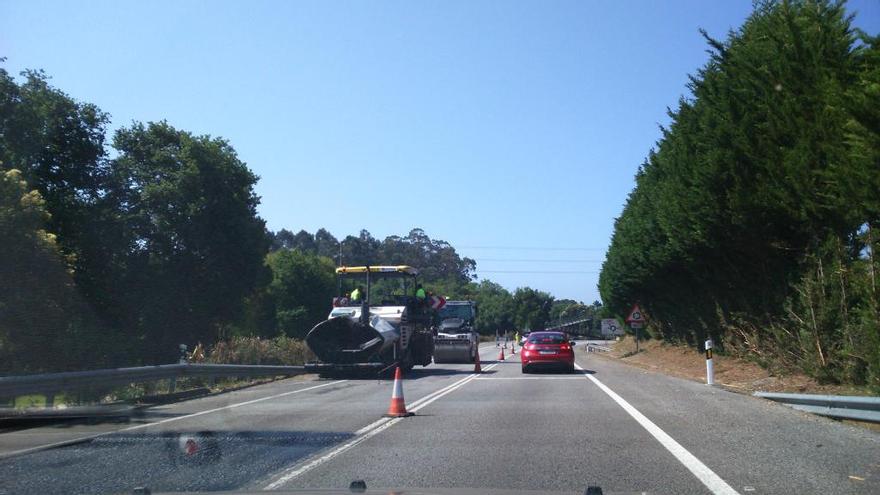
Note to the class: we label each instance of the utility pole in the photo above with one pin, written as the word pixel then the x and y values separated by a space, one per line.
pixel 340 253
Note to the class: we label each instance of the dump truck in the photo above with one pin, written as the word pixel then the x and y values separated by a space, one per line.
pixel 376 323
pixel 456 339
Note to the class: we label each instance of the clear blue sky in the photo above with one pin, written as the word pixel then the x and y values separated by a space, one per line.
pixel 511 124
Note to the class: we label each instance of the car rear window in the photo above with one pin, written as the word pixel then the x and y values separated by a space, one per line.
pixel 547 338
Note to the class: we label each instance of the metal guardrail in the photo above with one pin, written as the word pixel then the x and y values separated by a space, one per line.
pixel 835 406
pixel 50 383
pixel 573 322
pixel 597 348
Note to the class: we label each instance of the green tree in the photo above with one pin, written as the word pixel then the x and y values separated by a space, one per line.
pixel 437 260
pixel 283 239
pixel 40 311
pixel 302 289
pixel 495 307
pixel 325 244
pixel 532 308
pixel 196 242
pixel 58 144
pixel 561 307
pixel 440 266
pixel 362 249
pixel 749 220
pixel 304 242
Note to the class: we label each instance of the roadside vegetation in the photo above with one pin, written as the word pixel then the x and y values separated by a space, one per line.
pixel 281 350
pixel 754 219
pixel 118 248
pixel 732 371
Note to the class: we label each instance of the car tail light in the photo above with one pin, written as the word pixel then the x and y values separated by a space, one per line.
pixel 564 347
pixel 530 347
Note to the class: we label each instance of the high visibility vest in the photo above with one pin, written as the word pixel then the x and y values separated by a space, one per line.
pixel 420 293
pixel 356 295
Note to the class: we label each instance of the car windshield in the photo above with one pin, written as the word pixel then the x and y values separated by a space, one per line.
pixel 440 246
pixel 547 338
pixel 465 312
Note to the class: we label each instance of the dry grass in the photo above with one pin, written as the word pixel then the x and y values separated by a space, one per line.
pixel 254 350
pixel 238 350
pixel 733 372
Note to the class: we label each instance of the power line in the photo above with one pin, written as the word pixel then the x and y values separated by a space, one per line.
pixel 561 272
pixel 534 260
pixel 532 248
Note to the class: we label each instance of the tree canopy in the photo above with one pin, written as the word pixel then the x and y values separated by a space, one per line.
pixel 751 221
pixel 441 268
pixel 116 251
pixel 162 241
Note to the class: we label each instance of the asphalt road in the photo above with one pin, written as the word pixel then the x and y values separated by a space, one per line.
pixel 611 425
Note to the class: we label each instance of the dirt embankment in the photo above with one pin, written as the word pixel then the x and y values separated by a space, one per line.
pixel 735 373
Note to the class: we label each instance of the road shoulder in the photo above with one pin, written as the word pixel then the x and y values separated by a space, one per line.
pixel 753 444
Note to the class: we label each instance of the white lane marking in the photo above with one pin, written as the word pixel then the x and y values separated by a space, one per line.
pixel 455 386
pixel 413 404
pixel 381 426
pixel 529 378
pixel 163 421
pixel 417 402
pixel 367 432
pixel 708 477
pixel 233 406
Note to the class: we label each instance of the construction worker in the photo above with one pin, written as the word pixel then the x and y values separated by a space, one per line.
pixel 357 293
pixel 420 293
pixel 516 338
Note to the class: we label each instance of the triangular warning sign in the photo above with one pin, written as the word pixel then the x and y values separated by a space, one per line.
pixel 635 315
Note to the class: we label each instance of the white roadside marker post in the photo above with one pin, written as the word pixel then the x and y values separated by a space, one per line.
pixel 710 367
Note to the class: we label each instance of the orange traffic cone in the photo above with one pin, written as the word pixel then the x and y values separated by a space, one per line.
pixel 397 409
pixel 501 355
pixel 477 368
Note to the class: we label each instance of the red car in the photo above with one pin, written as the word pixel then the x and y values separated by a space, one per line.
pixel 547 349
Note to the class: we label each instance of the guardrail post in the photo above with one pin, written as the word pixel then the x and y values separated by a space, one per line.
pixel 172 382
pixel 710 368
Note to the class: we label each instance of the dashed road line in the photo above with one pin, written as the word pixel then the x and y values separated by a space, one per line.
pixel 368 432
pixel 528 378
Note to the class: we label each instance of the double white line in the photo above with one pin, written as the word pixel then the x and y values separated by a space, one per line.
pixel 368 432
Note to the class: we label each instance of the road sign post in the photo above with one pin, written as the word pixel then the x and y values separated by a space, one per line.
pixel 636 320
pixel 636 326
